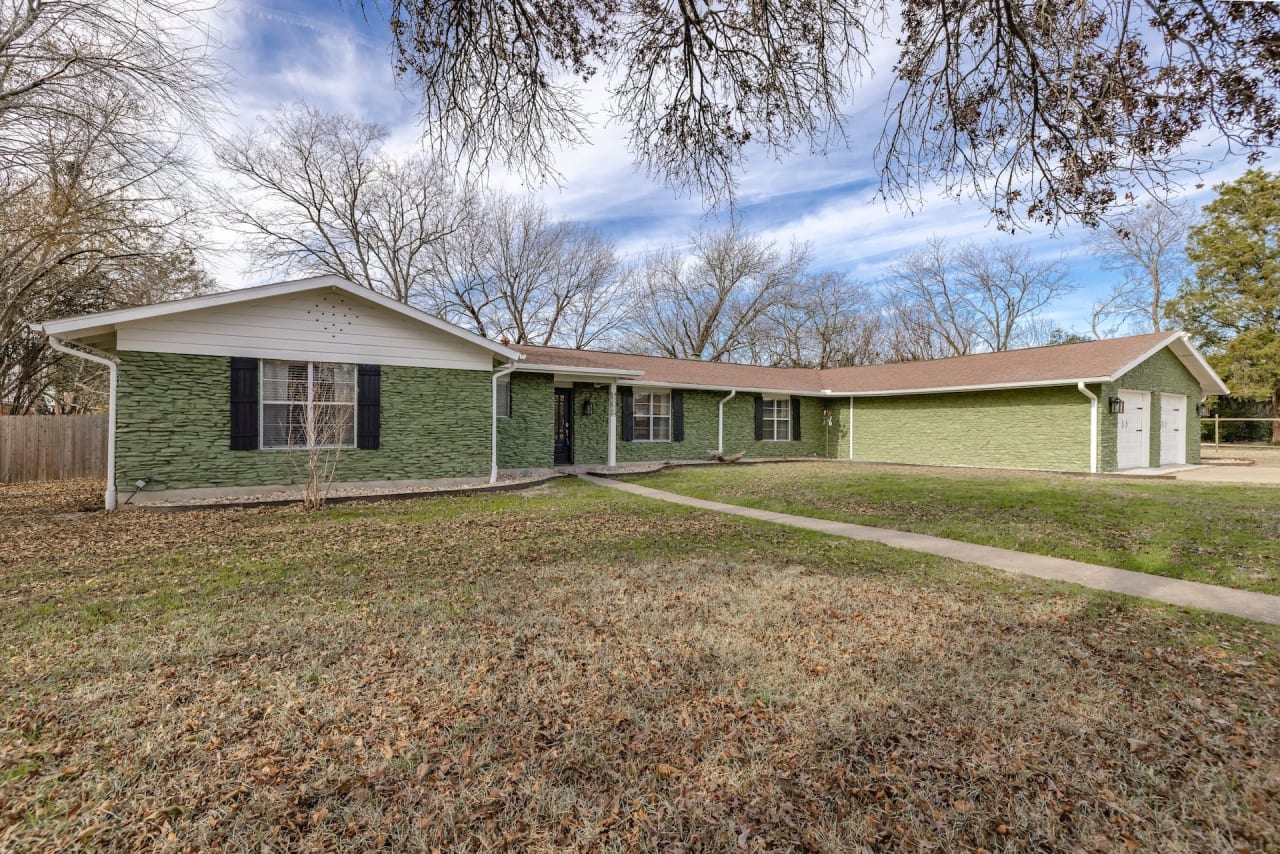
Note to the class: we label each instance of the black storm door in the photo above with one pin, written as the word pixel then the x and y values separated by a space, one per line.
pixel 564 427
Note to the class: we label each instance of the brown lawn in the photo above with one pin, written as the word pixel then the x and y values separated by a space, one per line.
pixel 576 669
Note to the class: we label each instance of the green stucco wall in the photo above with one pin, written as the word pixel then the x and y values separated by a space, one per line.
pixel 173 425
pixel 1024 428
pixel 1162 373
pixel 525 439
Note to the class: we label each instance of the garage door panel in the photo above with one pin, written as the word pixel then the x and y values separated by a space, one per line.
pixel 1173 425
pixel 1133 424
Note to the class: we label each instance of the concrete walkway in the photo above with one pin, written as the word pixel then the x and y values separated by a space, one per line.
pixel 1242 603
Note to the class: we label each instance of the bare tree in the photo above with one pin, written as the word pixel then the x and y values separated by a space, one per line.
pixel 85 233
pixel 316 424
pixel 518 272
pixel 829 322
pixel 707 303
pixel 956 301
pixel 324 197
pixel 1042 110
pixel 317 194
pixel 125 70
pixel 94 204
pixel 1147 247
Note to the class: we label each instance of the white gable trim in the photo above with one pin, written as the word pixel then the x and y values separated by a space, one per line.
pixel 94 324
pixel 1180 344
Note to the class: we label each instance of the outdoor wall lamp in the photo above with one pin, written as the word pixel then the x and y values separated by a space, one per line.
pixel 1115 405
pixel 1203 410
pixel 588 406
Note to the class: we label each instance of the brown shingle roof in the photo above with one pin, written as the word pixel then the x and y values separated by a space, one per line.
pixel 1051 365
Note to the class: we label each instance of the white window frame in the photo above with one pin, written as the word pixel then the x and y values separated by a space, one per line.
pixel 504 397
pixel 772 421
pixel 310 403
pixel 669 418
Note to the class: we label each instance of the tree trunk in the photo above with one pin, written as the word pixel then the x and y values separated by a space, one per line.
pixel 1275 414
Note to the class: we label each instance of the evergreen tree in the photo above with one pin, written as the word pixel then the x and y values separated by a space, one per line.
pixel 1232 305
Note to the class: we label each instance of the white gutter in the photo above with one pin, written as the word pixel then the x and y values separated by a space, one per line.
pixel 1093 426
pixel 720 430
pixel 493 416
pixel 613 424
pixel 111 363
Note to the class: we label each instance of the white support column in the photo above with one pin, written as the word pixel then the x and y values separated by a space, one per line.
pixel 850 429
pixel 613 423
pixel 111 364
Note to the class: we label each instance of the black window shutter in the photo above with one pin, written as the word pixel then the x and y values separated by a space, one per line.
pixel 369 407
pixel 510 411
pixel 795 419
pixel 677 415
pixel 244 404
pixel 628 415
pixel 759 417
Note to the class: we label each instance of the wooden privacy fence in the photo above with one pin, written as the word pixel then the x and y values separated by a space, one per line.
pixel 52 447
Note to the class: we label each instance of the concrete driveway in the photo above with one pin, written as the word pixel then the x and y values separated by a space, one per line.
pixel 1265 468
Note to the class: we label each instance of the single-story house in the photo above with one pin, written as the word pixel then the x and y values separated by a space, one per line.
pixel 208 393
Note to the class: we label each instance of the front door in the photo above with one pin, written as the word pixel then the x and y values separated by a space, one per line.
pixel 564 427
pixel 1173 421
pixel 1133 442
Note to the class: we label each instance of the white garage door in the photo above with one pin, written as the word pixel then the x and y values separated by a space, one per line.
pixel 1173 423
pixel 1133 443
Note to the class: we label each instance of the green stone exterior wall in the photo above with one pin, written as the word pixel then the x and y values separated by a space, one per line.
pixel 173 425
pixel 591 432
pixel 1024 428
pixel 1163 372
pixel 525 439
pixel 701 418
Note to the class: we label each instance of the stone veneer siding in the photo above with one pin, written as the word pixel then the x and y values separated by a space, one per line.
pixel 525 440
pixel 173 425
pixel 1162 373
pixel 701 419
pixel 1036 428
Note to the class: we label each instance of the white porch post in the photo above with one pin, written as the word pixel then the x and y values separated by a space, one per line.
pixel 613 423
pixel 111 363
pixel 850 429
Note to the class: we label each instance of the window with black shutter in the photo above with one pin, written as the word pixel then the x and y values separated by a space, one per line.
pixel 244 404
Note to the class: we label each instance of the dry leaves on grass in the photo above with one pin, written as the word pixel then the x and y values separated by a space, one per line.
pixel 585 671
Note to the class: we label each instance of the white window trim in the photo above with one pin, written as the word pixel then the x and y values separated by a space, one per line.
pixel 263 402
pixel 670 417
pixel 786 402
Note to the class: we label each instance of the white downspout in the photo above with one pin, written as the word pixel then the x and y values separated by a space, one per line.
pixel 1093 426
pixel 850 428
pixel 613 424
pixel 493 412
pixel 720 429
pixel 111 363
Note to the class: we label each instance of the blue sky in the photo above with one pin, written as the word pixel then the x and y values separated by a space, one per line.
pixel 327 53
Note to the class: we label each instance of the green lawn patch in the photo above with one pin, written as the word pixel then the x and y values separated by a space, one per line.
pixel 1218 534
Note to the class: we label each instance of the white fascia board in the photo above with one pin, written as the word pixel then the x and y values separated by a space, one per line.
pixel 92 324
pixel 897 392
pixel 1187 353
pixel 738 388
pixel 1210 382
pixel 828 393
pixel 578 371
